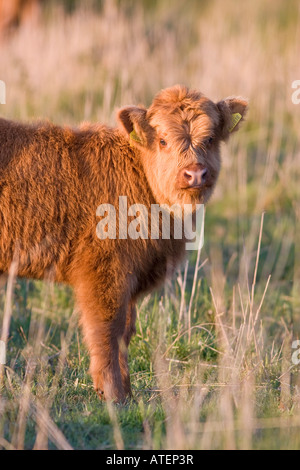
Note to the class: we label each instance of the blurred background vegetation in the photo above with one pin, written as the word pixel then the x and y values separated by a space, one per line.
pixel 224 331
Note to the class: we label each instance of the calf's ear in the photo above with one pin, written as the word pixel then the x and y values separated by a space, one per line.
pixel 232 112
pixel 134 122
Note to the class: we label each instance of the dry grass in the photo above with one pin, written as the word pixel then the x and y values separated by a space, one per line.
pixel 218 341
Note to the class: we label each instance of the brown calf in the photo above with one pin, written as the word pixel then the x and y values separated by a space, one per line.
pixel 52 180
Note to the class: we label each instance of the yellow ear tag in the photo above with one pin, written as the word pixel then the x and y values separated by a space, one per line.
pixel 236 117
pixel 133 136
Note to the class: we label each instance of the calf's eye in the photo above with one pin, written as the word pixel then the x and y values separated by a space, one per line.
pixel 163 143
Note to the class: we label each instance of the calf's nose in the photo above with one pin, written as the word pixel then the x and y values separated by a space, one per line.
pixel 194 177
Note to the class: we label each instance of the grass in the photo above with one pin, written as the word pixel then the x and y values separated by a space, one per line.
pixel 211 362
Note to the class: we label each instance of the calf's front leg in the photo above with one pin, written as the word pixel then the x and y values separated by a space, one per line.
pixel 103 323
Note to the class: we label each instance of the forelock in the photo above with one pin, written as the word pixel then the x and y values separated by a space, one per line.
pixel 184 116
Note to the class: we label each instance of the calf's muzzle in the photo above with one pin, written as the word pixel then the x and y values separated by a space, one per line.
pixel 192 177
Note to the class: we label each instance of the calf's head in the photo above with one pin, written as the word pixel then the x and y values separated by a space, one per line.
pixel 178 138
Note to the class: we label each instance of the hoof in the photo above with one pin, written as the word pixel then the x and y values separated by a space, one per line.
pixel 100 393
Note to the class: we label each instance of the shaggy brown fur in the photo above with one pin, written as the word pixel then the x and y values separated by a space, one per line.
pixel 52 180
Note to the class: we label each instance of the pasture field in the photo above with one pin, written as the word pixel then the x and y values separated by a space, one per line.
pixel 214 363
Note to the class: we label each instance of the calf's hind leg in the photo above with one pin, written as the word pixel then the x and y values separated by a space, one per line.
pixel 124 343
